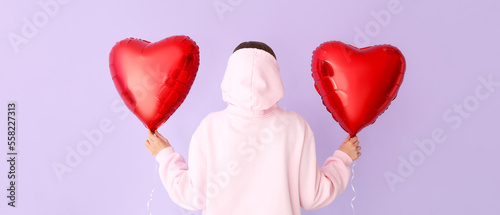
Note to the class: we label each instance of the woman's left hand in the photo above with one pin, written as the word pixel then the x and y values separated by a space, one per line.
pixel 156 142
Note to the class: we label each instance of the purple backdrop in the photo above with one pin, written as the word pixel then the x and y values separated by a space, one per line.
pixel 434 151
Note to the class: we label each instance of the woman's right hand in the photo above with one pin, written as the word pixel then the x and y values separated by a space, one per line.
pixel 351 147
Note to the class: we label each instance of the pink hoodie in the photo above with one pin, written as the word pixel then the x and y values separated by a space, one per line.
pixel 253 157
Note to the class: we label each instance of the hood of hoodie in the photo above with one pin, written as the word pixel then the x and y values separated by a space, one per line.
pixel 252 82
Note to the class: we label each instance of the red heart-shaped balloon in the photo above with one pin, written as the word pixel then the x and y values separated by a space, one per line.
pixel 357 85
pixel 153 79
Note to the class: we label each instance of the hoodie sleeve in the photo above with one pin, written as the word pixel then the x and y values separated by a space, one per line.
pixel 185 185
pixel 320 186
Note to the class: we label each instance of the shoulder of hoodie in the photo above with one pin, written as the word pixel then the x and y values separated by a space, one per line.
pixel 287 115
pixel 292 115
pixel 290 118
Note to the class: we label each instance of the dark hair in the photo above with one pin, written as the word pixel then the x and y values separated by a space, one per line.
pixel 256 45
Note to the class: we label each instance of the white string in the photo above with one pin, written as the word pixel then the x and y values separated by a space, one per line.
pixel 154 185
pixel 352 186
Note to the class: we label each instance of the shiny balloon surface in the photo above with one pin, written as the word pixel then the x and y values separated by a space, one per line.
pixel 357 85
pixel 153 79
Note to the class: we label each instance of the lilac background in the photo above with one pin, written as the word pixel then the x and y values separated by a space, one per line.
pixel 60 81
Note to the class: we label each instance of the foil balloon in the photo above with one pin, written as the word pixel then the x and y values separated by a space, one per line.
pixel 153 79
pixel 357 84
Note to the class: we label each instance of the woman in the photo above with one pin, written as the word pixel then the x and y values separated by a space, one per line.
pixel 253 157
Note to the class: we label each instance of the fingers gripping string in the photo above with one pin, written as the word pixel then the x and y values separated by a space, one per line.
pixel 154 185
pixel 352 186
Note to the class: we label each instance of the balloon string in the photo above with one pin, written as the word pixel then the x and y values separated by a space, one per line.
pixel 154 184
pixel 352 186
